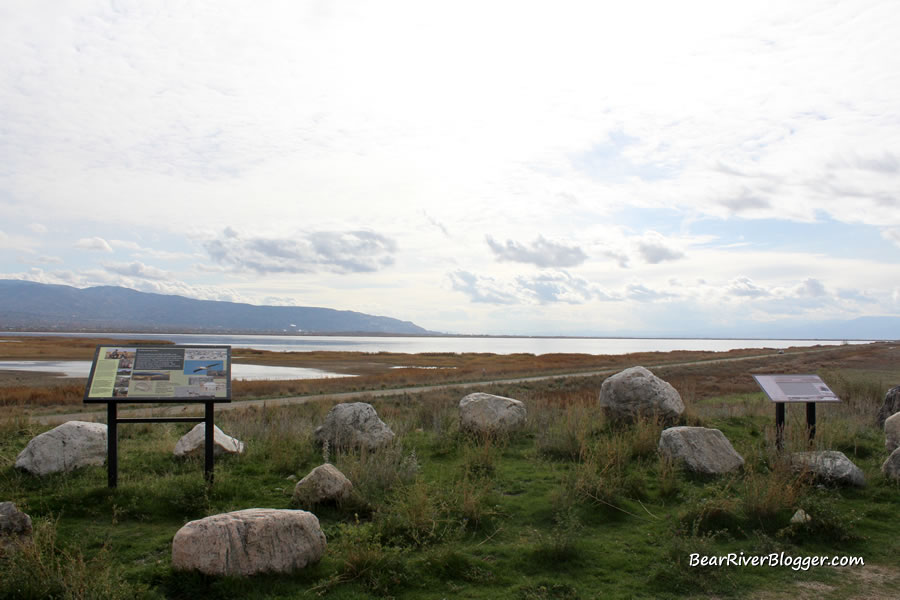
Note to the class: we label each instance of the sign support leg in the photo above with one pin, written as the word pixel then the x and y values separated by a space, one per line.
pixel 811 421
pixel 112 445
pixel 209 439
pixel 779 425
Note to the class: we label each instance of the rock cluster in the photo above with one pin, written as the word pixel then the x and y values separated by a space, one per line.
pixel 891 405
pixel 487 413
pixel 891 467
pixel 636 392
pixel 193 443
pixel 892 432
pixel 701 450
pixel 829 466
pixel 325 483
pixel 354 424
pixel 69 446
pixel 247 542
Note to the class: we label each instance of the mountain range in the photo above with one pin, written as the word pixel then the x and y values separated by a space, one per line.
pixel 26 305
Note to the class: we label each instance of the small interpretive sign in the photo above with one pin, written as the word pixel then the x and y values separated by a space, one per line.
pixel 795 388
pixel 160 373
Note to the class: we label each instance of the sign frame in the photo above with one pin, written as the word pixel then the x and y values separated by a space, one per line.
pixel 781 396
pixel 167 353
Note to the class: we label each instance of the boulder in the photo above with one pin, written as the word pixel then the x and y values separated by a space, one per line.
pixel 69 446
pixel 702 450
pixel 323 484
pixel 891 405
pixel 892 432
pixel 891 467
pixel 15 527
pixel 246 542
pixel 486 413
pixel 829 466
pixel 193 443
pixel 354 424
pixel 636 392
pixel 800 517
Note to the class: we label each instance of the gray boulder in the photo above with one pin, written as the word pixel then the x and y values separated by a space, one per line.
pixel 69 446
pixel 246 542
pixel 892 432
pixel 636 392
pixel 702 450
pixel 15 528
pixel 829 466
pixel 487 413
pixel 891 467
pixel 891 405
pixel 193 443
pixel 354 424
pixel 325 483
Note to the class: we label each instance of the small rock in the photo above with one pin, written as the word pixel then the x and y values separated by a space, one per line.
pixel 487 413
pixel 246 542
pixel 15 527
pixel 323 484
pixel 71 445
pixel 702 450
pixel 800 517
pixel 829 466
pixel 354 424
pixel 636 392
pixel 890 406
pixel 892 432
pixel 291 478
pixel 193 443
pixel 891 466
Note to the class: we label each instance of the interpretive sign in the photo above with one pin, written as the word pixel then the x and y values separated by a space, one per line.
pixel 183 374
pixel 160 374
pixel 782 389
pixel 795 388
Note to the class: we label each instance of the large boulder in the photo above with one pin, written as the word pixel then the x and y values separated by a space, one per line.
pixel 246 542
pixel 193 443
pixel 829 466
pixel 487 413
pixel 69 446
pixel 892 432
pixel 325 483
pixel 15 527
pixel 891 405
pixel 354 424
pixel 701 450
pixel 891 467
pixel 636 392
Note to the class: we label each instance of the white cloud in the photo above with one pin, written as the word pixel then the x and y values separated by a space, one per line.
pixel 138 270
pixel 654 248
pixel 94 243
pixel 542 253
pixel 38 228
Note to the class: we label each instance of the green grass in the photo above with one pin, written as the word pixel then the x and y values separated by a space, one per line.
pixel 569 507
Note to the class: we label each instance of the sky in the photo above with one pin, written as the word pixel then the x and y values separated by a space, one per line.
pixel 537 168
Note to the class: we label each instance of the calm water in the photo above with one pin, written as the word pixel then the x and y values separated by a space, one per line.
pixel 413 345
pixel 81 368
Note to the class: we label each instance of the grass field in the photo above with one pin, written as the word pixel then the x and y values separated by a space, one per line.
pixel 570 507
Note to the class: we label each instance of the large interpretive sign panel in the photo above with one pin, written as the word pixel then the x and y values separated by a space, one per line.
pixel 795 388
pixel 160 374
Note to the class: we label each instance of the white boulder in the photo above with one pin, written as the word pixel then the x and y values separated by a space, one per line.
pixel 891 466
pixel 636 392
pixel 193 443
pixel 487 413
pixel 892 432
pixel 829 466
pixel 325 483
pixel 701 450
pixel 246 542
pixel 69 446
pixel 354 424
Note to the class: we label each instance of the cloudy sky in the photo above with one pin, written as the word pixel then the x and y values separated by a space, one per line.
pixel 476 167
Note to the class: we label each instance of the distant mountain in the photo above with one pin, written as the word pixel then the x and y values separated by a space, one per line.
pixel 28 305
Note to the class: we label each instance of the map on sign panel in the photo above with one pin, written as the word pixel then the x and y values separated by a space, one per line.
pixel 795 388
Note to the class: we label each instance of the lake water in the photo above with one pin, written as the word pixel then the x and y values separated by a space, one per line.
pixel 81 368
pixel 415 345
